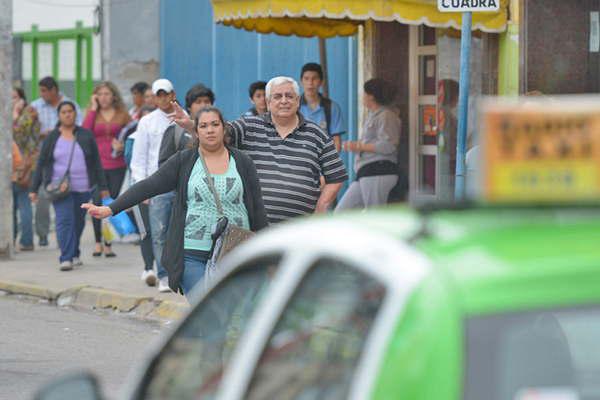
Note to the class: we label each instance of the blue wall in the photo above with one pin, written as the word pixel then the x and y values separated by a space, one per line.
pixel 195 49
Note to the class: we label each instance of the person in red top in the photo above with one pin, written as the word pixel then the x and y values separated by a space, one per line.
pixel 106 116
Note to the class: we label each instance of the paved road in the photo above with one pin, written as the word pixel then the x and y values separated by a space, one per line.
pixel 39 341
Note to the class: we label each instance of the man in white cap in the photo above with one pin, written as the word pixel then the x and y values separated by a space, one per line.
pixel 144 162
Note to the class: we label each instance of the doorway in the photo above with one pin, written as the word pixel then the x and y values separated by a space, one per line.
pixel 423 138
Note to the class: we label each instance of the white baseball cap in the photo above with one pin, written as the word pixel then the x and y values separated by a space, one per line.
pixel 162 84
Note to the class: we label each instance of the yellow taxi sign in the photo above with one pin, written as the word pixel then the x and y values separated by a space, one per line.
pixel 540 150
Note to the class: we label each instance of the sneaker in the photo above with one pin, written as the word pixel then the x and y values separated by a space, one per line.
pixel 163 285
pixel 77 262
pixel 43 241
pixel 26 248
pixel 149 277
pixel 66 266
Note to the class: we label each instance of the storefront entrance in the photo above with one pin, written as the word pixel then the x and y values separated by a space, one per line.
pixel 423 74
pixel 423 63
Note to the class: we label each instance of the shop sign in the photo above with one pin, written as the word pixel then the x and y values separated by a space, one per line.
pixel 468 5
pixel 546 151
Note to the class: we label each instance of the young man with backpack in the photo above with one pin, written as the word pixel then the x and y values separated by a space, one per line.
pixel 319 109
pixel 176 138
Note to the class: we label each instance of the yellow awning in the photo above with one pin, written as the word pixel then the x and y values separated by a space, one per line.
pixel 327 18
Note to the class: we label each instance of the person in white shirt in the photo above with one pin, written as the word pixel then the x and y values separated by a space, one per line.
pixel 144 162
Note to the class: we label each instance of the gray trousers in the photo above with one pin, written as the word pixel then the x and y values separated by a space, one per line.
pixel 42 214
pixel 368 192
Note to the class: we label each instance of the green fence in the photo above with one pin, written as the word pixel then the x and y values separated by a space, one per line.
pixel 83 86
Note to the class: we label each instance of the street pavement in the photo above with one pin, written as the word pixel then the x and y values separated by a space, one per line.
pixel 40 342
pixel 110 282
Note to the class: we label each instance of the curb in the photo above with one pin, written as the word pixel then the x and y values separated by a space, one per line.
pixel 89 297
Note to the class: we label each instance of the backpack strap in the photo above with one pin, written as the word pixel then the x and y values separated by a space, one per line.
pixel 178 136
pixel 326 104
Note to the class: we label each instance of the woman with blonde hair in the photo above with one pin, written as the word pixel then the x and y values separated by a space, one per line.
pixel 106 116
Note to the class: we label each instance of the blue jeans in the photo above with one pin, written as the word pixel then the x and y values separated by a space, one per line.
pixel 70 220
pixel 160 215
pixel 193 271
pixel 22 206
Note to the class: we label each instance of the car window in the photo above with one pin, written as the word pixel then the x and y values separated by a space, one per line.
pixel 544 355
pixel 315 346
pixel 192 364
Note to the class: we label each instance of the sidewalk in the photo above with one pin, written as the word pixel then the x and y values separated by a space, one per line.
pixel 100 283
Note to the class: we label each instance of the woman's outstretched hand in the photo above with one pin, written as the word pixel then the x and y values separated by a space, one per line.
pixel 99 212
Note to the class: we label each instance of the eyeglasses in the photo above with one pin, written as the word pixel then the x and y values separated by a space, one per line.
pixel 280 96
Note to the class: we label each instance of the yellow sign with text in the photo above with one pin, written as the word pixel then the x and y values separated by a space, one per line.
pixel 541 151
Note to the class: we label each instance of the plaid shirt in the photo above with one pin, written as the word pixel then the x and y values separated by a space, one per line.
pixel 48 116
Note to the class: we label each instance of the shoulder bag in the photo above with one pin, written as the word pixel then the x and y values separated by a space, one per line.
pixel 61 189
pixel 225 236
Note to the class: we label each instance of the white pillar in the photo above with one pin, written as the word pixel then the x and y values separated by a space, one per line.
pixel 6 223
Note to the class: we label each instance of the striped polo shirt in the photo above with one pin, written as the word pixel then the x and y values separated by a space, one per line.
pixel 289 169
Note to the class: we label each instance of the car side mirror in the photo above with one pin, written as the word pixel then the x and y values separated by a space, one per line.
pixel 80 386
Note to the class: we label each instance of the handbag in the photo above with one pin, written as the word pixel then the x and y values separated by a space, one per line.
pixel 61 189
pixel 225 236
pixel 24 174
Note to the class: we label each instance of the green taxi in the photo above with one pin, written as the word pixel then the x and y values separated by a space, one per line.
pixel 476 303
pixel 480 302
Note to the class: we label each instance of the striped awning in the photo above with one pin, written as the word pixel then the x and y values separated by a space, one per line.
pixel 328 18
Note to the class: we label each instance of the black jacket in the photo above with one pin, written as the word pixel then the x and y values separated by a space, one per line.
pixel 174 175
pixel 174 139
pixel 45 164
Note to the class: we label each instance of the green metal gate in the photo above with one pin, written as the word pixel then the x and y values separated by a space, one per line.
pixel 83 86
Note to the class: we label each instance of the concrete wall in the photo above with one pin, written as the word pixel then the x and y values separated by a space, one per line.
pixel 130 42
pixel 5 129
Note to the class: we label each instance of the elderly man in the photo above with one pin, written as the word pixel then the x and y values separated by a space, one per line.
pixel 290 154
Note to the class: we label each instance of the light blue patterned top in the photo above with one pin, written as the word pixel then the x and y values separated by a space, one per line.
pixel 202 212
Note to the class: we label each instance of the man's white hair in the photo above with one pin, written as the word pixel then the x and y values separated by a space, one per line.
pixel 280 80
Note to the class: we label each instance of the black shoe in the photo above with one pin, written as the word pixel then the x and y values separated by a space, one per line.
pixel 43 241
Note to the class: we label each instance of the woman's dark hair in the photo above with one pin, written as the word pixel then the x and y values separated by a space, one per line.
pixel 197 91
pixel 196 142
pixel 21 94
pixel 450 87
pixel 63 104
pixel 383 92
pixel 254 86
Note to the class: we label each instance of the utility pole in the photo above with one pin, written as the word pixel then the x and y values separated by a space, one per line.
pixel 6 221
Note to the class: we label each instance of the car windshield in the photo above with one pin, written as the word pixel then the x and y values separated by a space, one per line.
pixel 192 364
pixel 316 345
pixel 545 355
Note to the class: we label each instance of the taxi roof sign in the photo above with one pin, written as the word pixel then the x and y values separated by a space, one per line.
pixel 468 5
pixel 540 150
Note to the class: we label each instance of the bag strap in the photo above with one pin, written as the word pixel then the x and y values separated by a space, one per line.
pixel 211 185
pixel 179 132
pixel 68 171
pixel 326 104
